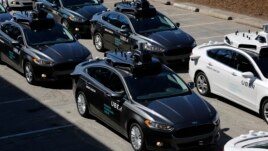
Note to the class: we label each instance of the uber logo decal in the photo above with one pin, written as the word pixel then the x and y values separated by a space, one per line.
pixel 116 106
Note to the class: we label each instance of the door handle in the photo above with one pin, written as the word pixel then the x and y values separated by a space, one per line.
pixel 210 64
pixel 234 74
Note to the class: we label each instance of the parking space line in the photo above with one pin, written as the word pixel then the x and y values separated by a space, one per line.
pixel 15 101
pixel 209 37
pixel 211 23
pixel 36 131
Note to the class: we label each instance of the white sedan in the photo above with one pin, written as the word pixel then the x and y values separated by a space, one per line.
pixel 238 75
pixel 253 141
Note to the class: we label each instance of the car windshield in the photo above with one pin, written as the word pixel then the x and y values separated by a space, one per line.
pixel 151 87
pixel 261 144
pixel 156 23
pixel 57 34
pixel 262 64
pixel 2 9
pixel 71 3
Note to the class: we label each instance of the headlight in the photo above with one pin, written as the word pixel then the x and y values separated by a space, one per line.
pixel 43 62
pixel 154 48
pixel 216 119
pixel 158 126
pixel 77 19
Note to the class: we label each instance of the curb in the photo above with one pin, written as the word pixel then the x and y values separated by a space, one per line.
pixel 248 22
pixel 188 7
pixel 216 14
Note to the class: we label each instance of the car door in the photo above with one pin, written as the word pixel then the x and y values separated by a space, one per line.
pixel 245 89
pixel 220 72
pixel 123 32
pixel 10 47
pixel 109 31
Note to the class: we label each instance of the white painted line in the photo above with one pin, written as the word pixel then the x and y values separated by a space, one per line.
pixel 36 131
pixel 211 23
pixel 202 38
pixel 15 101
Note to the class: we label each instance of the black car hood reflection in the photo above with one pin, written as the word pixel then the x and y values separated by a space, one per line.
pixel 171 38
pixel 181 109
pixel 88 11
pixel 64 51
pixel 5 16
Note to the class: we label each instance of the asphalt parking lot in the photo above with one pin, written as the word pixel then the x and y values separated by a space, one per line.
pixel 45 117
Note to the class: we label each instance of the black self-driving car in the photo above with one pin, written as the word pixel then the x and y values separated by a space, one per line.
pixel 44 51
pixel 137 22
pixel 145 101
pixel 75 15
pixel 4 14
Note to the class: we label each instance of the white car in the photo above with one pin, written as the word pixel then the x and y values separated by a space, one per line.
pixel 255 41
pixel 253 141
pixel 17 3
pixel 238 75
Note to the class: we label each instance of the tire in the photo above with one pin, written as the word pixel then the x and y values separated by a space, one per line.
pixel 98 42
pixel 29 73
pixel 82 104
pixel 264 110
pixel 202 84
pixel 136 137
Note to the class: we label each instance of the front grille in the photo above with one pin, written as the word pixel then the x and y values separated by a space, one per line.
pixel 201 142
pixel 178 51
pixel 65 66
pixel 194 131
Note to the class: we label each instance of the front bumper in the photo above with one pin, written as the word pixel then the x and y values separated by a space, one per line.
pixel 170 142
pixel 174 56
pixel 54 73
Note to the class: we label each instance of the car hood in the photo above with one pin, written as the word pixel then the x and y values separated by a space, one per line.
pixel 181 109
pixel 88 11
pixel 5 16
pixel 171 39
pixel 65 52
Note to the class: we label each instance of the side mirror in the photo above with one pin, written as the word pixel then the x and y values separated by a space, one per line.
pixel 191 85
pixel 124 30
pixel 116 95
pixel 249 75
pixel 178 24
pixel 15 43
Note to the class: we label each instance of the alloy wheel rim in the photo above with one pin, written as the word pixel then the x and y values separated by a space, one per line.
pixel 265 111
pixel 81 104
pixel 98 42
pixel 136 137
pixel 202 85
pixel 28 73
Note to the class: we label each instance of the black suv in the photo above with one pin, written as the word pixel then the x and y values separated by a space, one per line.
pixel 38 47
pixel 145 101
pixel 75 15
pixel 137 22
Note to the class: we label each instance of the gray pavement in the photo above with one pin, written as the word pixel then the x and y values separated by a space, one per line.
pixel 45 118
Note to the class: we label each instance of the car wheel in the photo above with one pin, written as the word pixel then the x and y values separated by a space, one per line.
pixel 136 137
pixel 82 104
pixel 29 73
pixel 264 110
pixel 98 42
pixel 202 84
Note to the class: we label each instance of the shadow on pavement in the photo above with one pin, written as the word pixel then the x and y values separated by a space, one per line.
pixel 28 125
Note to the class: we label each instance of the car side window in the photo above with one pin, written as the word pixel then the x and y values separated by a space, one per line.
pixel 261 39
pixel 242 64
pixel 12 31
pixel 224 56
pixel 112 19
pixel 123 22
pixel 107 78
pixel 212 53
